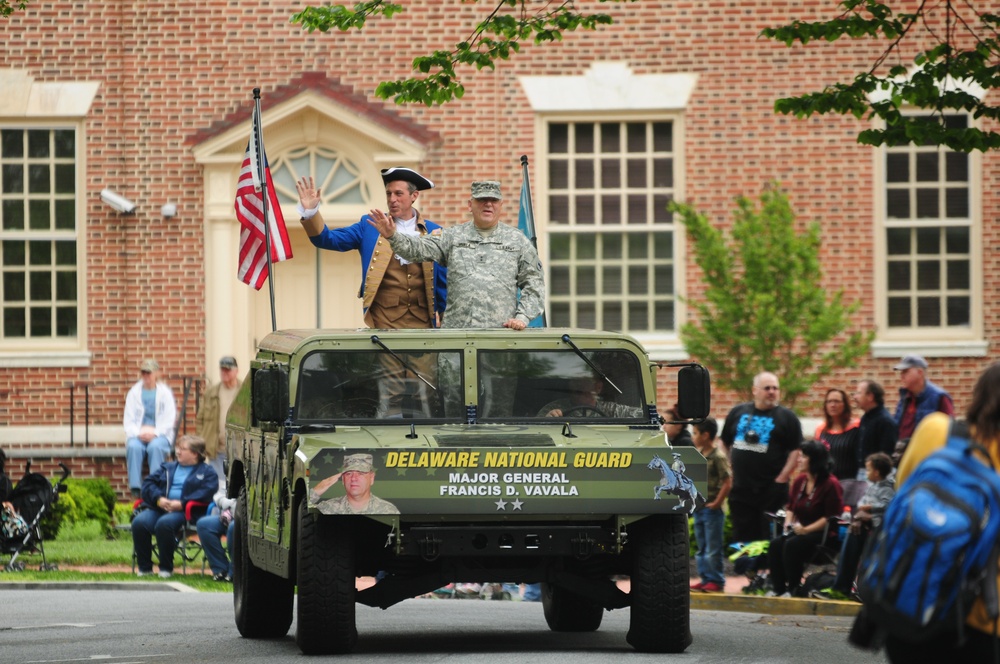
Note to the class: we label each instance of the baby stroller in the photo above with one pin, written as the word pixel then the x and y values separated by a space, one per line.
pixel 32 498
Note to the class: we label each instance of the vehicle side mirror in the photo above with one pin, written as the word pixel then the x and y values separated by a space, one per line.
pixel 694 398
pixel 270 394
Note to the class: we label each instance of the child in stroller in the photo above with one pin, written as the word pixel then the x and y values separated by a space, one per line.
pixel 28 502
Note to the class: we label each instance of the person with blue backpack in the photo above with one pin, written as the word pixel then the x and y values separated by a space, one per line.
pixel 930 579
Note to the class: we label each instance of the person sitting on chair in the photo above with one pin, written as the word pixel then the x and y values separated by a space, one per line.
pixel 584 400
pixel 166 494
pixel 868 516
pixel 211 527
pixel 814 503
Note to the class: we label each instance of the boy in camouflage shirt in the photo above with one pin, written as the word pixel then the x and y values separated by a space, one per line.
pixel 710 520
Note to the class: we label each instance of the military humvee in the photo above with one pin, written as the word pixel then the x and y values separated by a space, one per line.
pixel 424 457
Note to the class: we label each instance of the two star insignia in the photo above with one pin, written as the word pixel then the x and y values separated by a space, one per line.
pixel 502 505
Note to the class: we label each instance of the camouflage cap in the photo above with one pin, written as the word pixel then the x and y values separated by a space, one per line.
pixel 150 366
pixel 486 189
pixel 362 463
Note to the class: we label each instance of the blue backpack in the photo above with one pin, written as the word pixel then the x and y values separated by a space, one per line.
pixel 937 547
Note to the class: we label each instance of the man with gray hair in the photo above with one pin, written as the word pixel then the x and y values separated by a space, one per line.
pixel 918 397
pixel 487 263
pixel 762 439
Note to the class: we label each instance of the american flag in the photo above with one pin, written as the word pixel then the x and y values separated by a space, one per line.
pixel 250 212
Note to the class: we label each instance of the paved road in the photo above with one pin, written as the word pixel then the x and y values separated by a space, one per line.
pixel 146 627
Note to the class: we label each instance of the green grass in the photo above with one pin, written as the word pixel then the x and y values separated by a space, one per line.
pixel 83 545
pixel 193 578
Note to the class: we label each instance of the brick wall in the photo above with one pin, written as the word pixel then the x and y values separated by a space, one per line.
pixel 170 70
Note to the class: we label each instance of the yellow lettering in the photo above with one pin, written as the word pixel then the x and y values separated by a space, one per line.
pixel 391 459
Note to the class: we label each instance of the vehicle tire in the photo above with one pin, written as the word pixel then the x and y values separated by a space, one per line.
pixel 326 622
pixel 263 601
pixel 565 611
pixel 660 597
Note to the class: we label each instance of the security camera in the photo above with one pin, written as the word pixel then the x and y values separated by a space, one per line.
pixel 120 203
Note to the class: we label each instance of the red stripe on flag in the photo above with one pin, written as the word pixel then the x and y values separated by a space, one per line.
pixel 250 212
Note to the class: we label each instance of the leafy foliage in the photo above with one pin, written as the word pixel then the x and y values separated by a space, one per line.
pixel 497 37
pixel 764 307
pixel 84 500
pixel 939 80
pixel 7 7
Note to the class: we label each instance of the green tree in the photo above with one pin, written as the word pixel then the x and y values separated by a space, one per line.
pixel 7 7
pixel 497 37
pixel 959 52
pixel 963 46
pixel 764 307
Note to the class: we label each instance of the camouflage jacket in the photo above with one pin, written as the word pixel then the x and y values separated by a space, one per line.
pixel 484 273
pixel 340 506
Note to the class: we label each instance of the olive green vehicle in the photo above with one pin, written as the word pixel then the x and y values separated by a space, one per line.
pixel 424 457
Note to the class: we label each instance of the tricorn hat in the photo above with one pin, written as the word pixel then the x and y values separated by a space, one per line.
pixel 407 175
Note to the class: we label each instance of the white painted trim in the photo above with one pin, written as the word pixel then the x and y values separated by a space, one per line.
pixel 22 97
pixel 50 436
pixel 40 358
pixel 931 349
pixel 609 86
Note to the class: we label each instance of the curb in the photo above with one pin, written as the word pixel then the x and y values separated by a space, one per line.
pixel 169 586
pixel 784 606
pixel 773 605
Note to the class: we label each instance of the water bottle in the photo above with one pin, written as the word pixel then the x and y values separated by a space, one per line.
pixel 845 520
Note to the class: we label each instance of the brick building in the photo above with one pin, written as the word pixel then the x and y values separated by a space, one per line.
pixel 153 101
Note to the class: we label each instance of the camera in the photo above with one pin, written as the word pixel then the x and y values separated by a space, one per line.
pixel 117 202
pixel 752 437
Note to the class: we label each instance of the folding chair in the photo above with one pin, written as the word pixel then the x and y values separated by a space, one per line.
pixel 188 545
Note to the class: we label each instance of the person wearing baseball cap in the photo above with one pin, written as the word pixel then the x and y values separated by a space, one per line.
pixel 357 475
pixel 918 397
pixel 490 264
pixel 150 411
pixel 211 419
pixel 395 292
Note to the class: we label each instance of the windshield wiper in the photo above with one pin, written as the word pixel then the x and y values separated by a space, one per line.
pixel 377 341
pixel 593 366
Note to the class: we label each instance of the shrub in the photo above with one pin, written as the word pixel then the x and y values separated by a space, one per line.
pixel 53 519
pixel 84 500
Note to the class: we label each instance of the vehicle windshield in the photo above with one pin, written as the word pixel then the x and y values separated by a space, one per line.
pixel 537 384
pixel 344 385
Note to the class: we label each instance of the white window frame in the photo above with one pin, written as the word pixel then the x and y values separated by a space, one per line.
pixel 610 91
pixel 57 351
pixel 663 341
pixel 943 341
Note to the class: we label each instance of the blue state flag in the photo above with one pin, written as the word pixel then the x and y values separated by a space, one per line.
pixel 526 224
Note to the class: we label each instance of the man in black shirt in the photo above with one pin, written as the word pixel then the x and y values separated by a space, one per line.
pixel 878 431
pixel 762 439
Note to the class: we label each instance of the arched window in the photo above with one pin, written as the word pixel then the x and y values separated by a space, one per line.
pixel 338 179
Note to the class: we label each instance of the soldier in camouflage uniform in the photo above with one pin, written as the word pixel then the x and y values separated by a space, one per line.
pixel 487 263
pixel 584 401
pixel 358 475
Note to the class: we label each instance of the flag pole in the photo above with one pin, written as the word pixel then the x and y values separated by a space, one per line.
pixel 262 177
pixel 529 213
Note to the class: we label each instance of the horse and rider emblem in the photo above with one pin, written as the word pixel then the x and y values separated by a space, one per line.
pixel 673 480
